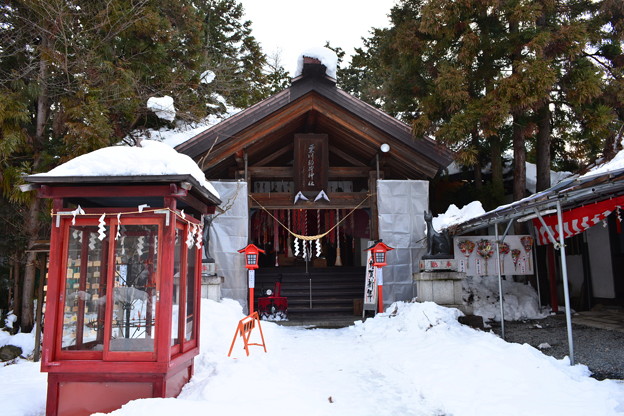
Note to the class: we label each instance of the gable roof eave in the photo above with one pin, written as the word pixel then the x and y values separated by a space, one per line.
pixel 437 154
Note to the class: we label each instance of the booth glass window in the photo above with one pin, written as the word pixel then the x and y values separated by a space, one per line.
pixel 175 300
pixel 134 290
pixel 85 290
pixel 190 293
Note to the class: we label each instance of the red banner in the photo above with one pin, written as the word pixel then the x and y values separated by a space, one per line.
pixel 576 220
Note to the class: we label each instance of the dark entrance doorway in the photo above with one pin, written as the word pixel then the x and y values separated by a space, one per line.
pixel 329 281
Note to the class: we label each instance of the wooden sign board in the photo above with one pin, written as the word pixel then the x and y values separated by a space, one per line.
pixel 311 162
pixel 370 286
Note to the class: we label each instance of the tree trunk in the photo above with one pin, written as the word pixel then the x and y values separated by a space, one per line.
pixel 542 148
pixel 32 221
pixel 30 272
pixel 519 148
pixel 17 294
pixel 519 162
pixel 498 189
pixel 478 177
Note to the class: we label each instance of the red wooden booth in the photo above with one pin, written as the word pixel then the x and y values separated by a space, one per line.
pixel 123 292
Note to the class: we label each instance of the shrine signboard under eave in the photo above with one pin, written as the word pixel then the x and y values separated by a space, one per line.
pixel 311 162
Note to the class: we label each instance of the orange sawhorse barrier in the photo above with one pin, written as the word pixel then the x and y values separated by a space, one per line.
pixel 245 326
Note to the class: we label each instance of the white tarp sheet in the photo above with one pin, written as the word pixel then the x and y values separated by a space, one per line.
pixel 401 207
pixel 228 234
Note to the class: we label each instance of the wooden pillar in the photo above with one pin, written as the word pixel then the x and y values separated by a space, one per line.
pixel 372 188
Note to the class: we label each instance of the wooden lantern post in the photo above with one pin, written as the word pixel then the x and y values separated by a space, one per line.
pixel 378 252
pixel 252 254
pixel 124 288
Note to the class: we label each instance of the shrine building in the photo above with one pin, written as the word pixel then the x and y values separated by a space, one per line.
pixel 315 161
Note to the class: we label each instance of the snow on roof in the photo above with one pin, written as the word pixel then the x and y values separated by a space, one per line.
pixel 163 107
pixel 454 215
pixel 614 164
pixel 531 177
pixel 152 158
pixel 326 56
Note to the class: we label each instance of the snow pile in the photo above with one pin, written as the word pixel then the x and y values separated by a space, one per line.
pixel 152 158
pixel 23 340
pixel 454 215
pixel 326 56
pixel 415 359
pixel 520 300
pixel 10 320
pixel 162 107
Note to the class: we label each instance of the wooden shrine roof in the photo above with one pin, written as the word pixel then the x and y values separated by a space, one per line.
pixel 124 191
pixel 313 104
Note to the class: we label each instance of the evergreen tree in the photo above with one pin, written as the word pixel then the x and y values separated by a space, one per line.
pixel 76 76
pixel 543 76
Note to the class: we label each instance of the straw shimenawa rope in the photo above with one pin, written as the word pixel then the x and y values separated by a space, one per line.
pixel 310 237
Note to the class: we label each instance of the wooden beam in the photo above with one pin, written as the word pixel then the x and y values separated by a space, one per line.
pixel 345 156
pixel 270 172
pixel 335 172
pixel 344 172
pixel 270 126
pixel 374 221
pixel 373 137
pixel 111 191
pixel 284 200
pixel 275 155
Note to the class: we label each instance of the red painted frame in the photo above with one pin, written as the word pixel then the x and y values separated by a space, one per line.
pixel 166 369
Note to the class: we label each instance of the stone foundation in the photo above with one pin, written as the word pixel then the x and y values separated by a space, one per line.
pixel 211 287
pixel 441 287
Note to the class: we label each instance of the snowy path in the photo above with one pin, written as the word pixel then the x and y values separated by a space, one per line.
pixel 419 362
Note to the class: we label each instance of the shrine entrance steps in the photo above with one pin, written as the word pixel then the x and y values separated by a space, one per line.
pixel 329 297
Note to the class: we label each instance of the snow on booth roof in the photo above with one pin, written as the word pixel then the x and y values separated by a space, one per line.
pixel 326 56
pixel 152 158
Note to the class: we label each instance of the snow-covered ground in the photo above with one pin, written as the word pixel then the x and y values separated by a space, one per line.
pixel 415 359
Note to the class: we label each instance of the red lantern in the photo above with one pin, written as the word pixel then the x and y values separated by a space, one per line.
pixel 251 256
pixel 378 252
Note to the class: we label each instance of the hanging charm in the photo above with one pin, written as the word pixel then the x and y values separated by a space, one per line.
pixel 290 253
pixel 306 254
pixel 140 245
pixel 296 247
pixel 102 228
pixel 75 212
pixel 189 237
pixel 198 236
pixel 118 227
pixel 91 241
pixel 338 258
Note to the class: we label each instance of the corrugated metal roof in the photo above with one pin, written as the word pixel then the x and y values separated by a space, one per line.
pixel 570 193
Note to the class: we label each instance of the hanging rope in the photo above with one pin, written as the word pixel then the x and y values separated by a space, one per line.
pixel 311 237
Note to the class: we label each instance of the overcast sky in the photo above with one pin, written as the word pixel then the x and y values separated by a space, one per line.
pixel 290 26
